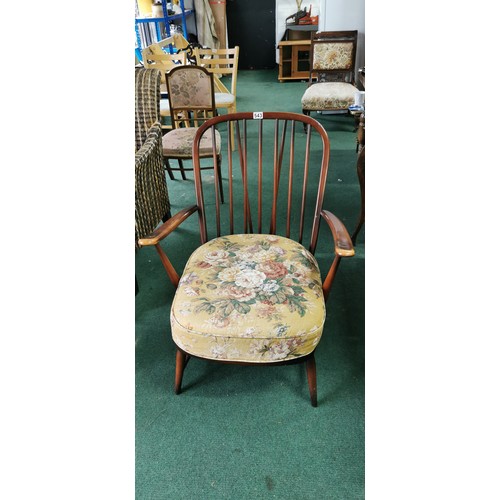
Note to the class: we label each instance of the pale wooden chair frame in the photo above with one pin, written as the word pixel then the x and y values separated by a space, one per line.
pixel 221 62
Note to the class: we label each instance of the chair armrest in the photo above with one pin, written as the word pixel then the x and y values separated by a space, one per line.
pixel 167 227
pixel 343 247
pixel 341 238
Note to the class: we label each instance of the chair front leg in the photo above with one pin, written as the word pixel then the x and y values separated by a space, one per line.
pixel 180 364
pixel 311 379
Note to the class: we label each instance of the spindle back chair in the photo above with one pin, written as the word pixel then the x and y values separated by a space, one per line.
pixel 252 293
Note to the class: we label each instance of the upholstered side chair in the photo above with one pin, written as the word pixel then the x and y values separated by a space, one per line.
pixel 192 102
pixel 331 73
pixel 222 63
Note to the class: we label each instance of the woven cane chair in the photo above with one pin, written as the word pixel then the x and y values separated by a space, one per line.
pixel 147 102
pixel 331 73
pixel 191 99
pixel 252 293
pixel 152 205
pixel 152 201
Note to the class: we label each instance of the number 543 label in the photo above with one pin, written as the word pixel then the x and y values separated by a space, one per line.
pixel 258 115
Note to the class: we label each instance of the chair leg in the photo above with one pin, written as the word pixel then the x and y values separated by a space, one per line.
pixel 361 177
pixel 183 173
pixel 307 113
pixel 311 379
pixel 168 169
pixel 167 216
pixel 219 172
pixel 180 364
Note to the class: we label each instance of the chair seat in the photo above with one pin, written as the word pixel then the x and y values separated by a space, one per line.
pixel 179 143
pixel 223 99
pixel 328 96
pixel 250 298
pixel 164 107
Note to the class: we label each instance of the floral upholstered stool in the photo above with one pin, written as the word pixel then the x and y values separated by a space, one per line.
pixel 249 298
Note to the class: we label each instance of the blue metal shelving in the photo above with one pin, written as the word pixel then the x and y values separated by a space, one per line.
pixel 159 21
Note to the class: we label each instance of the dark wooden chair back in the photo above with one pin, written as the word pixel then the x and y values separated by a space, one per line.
pixel 333 56
pixel 275 187
pixel 190 96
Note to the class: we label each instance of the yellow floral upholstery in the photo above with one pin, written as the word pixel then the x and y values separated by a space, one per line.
pixel 251 298
pixel 333 55
pixel 328 95
pixel 179 143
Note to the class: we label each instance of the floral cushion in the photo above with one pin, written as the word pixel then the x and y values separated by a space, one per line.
pixel 333 55
pixel 251 298
pixel 329 95
pixel 179 142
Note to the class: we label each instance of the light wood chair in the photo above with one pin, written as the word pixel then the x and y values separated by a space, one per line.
pixel 252 293
pixel 154 57
pixel 223 62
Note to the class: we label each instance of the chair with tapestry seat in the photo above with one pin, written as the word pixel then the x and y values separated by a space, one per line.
pixel 192 102
pixel 252 293
pixel 331 72
pixel 223 62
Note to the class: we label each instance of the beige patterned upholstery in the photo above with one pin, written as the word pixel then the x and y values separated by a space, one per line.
pixel 328 96
pixel 179 143
pixel 333 56
pixel 249 297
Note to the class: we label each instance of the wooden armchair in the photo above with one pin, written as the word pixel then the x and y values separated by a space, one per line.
pixel 252 293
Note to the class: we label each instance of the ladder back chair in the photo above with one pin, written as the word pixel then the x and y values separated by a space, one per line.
pixel 223 62
pixel 154 57
pixel 252 293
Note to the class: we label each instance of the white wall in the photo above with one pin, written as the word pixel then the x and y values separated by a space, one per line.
pixel 334 15
pixel 340 15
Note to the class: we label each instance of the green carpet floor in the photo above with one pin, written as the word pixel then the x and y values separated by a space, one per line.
pixel 245 432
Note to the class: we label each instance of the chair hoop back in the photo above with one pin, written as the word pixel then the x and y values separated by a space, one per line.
pixel 290 175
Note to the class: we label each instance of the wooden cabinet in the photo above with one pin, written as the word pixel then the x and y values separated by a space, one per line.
pixel 294 59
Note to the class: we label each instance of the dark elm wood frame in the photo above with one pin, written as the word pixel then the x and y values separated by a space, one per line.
pixel 342 245
pixel 317 75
